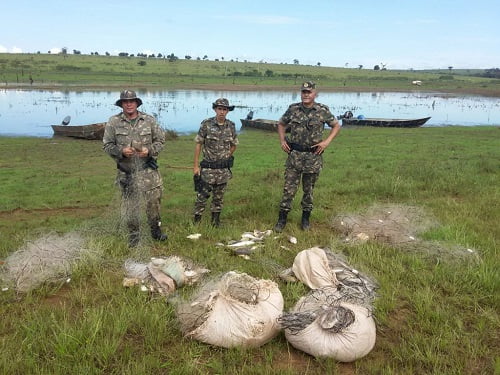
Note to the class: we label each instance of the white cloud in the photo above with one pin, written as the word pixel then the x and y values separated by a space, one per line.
pixel 14 49
pixel 55 50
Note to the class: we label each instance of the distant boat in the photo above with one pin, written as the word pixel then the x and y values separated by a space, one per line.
pixel 91 131
pixel 385 122
pixel 261 124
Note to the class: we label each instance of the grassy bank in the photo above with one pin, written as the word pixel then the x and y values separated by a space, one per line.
pixel 436 313
pixel 83 71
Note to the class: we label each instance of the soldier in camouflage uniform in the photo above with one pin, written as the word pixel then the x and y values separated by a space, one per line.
pixel 134 139
pixel 304 147
pixel 217 139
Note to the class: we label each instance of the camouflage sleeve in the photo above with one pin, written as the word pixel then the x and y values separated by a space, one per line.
pixel 202 132
pixel 285 119
pixel 235 140
pixel 287 116
pixel 109 139
pixel 328 117
pixel 158 138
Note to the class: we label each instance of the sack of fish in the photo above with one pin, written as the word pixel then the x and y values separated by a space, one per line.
pixel 335 319
pixel 234 310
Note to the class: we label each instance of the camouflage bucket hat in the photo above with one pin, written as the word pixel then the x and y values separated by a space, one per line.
pixel 308 86
pixel 128 95
pixel 222 102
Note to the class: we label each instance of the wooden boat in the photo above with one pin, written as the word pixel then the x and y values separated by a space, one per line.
pixel 91 131
pixel 261 124
pixel 384 122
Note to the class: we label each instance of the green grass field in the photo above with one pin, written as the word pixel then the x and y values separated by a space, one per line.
pixel 436 313
pixel 49 71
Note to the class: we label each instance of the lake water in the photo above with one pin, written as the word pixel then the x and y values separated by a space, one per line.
pixel 30 112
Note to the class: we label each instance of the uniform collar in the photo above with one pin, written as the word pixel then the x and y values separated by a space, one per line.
pixel 125 118
pixel 214 121
pixel 307 109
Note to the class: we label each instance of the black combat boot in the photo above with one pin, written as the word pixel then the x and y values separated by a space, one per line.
pixel 305 220
pixel 196 219
pixel 216 219
pixel 156 232
pixel 281 221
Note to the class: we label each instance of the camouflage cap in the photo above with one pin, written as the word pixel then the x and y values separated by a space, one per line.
pixel 222 102
pixel 308 86
pixel 128 95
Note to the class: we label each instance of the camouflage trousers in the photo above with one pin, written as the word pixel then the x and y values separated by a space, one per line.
pixel 134 201
pixel 292 182
pixel 217 191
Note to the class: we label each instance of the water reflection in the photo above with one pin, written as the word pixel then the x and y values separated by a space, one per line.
pixel 32 112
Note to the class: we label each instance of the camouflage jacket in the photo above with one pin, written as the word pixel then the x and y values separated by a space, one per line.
pixel 306 129
pixel 307 125
pixel 216 141
pixel 146 132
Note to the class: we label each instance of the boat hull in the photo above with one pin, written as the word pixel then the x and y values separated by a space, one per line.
pixel 385 122
pixel 91 132
pixel 261 124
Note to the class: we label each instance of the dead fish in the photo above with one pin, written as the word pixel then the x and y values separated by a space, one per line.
pixel 251 237
pixel 242 251
pixel 241 243
pixel 265 233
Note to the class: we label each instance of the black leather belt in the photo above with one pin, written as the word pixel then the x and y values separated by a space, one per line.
pixel 300 148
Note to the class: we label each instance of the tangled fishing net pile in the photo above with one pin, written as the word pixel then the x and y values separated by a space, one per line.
pixel 398 226
pixel 49 258
pixel 391 224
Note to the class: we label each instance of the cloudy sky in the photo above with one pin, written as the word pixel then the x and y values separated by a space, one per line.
pixel 399 34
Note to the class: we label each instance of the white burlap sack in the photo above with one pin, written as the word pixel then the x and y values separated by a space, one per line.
pixel 321 339
pixel 240 311
pixel 311 267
